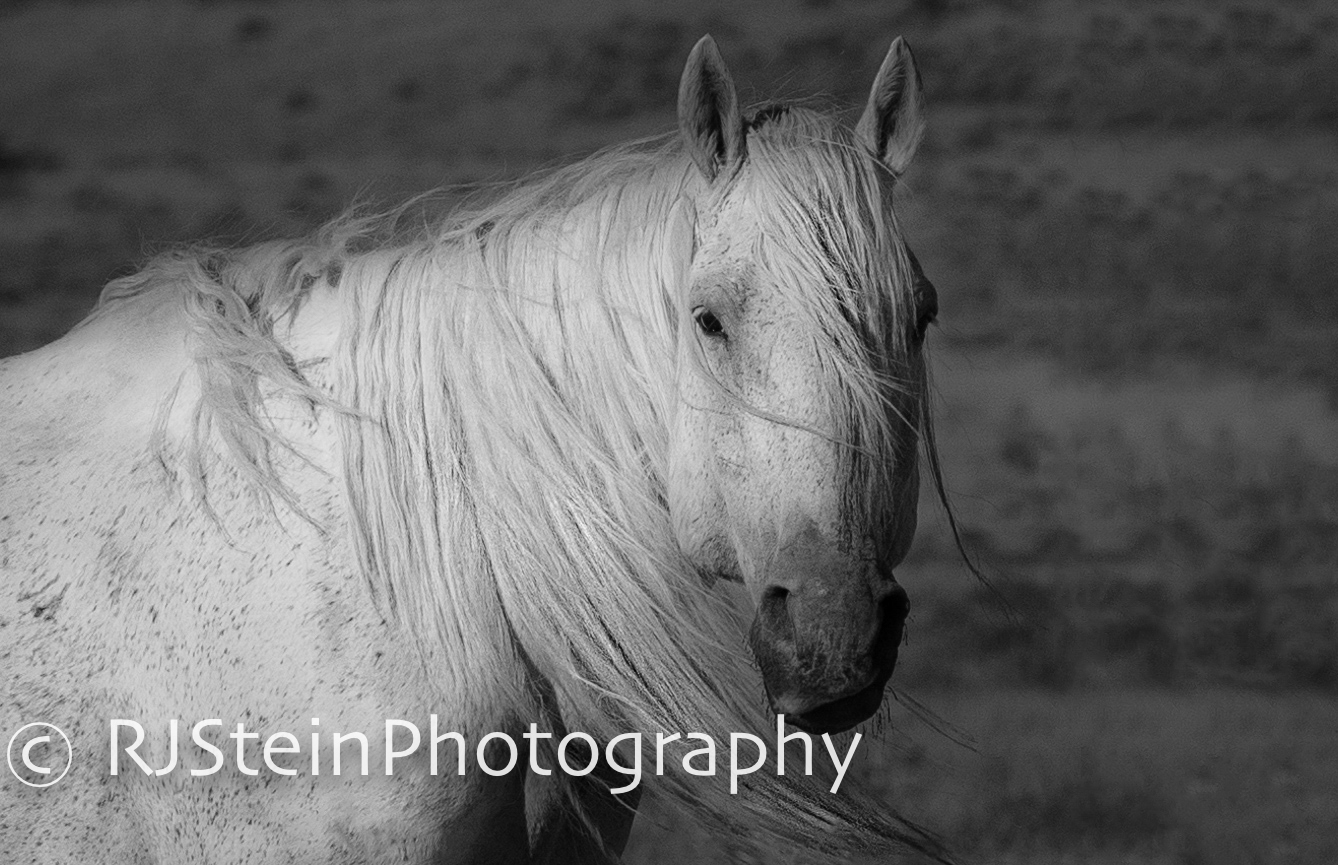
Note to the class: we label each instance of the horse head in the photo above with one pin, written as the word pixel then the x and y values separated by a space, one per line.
pixel 793 458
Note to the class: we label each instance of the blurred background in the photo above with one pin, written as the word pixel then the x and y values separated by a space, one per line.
pixel 1131 215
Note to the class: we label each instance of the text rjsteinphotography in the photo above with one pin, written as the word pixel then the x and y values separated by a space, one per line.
pixel 496 753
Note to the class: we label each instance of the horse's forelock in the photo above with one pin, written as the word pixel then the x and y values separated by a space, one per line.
pixel 834 248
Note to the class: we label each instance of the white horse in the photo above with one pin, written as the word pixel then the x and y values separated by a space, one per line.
pixel 494 468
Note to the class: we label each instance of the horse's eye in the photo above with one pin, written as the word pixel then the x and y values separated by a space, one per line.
pixel 707 322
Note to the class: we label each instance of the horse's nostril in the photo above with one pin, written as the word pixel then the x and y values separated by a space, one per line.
pixel 774 611
pixel 896 606
pixel 775 603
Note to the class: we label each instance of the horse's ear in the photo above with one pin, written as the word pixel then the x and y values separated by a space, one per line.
pixel 893 121
pixel 708 111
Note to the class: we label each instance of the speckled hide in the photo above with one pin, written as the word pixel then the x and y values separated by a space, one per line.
pixel 121 597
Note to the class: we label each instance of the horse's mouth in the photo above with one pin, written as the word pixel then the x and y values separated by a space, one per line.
pixel 842 714
pixel 839 715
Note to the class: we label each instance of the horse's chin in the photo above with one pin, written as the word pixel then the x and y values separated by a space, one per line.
pixel 841 714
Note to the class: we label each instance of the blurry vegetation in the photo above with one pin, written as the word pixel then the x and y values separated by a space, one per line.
pixel 1119 561
pixel 1110 631
pixel 1096 500
pixel 20 160
pixel 1133 776
pixel 1233 272
pixel 632 67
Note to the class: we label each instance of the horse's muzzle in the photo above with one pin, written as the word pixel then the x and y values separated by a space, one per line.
pixel 818 687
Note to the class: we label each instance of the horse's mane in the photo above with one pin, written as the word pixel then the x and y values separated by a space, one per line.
pixel 504 383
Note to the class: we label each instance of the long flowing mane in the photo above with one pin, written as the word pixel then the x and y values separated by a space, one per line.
pixel 504 386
